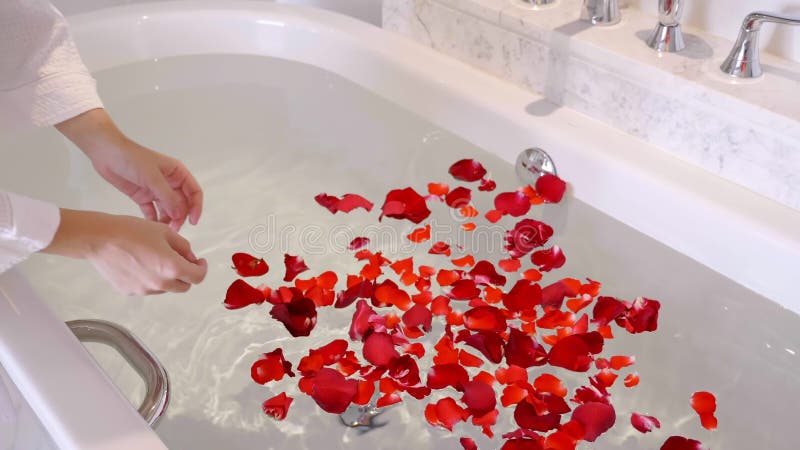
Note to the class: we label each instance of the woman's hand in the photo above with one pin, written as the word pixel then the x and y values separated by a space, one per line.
pixel 162 186
pixel 138 257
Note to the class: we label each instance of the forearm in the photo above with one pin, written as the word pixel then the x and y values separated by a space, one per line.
pixel 93 131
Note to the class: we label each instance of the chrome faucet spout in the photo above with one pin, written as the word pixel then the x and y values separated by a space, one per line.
pixel 744 59
pixel 601 12
pixel 667 37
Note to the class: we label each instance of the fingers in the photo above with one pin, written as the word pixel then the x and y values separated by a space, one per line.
pixel 189 268
pixel 166 197
pixel 194 197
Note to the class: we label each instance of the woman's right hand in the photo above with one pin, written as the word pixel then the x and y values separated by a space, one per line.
pixel 136 256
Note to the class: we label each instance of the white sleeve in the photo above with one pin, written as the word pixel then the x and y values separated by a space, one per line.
pixel 26 226
pixel 43 80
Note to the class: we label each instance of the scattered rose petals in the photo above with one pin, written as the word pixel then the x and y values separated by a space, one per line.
pixel 294 266
pixel 551 188
pixel 527 235
pixel 249 266
pixel 277 407
pixel 467 170
pixel 644 424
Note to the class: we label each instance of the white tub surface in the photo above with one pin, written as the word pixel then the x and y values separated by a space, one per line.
pixel 736 233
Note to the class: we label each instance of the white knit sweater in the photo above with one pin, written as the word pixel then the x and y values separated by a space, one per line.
pixel 42 82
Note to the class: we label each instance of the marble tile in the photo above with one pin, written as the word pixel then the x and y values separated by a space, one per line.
pixel 748 133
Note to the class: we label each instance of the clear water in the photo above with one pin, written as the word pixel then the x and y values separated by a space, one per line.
pixel 264 136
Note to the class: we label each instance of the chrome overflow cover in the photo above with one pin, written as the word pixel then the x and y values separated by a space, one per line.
pixel 532 164
pixel 361 416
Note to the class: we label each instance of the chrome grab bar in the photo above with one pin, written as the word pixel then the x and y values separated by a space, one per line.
pixel 140 357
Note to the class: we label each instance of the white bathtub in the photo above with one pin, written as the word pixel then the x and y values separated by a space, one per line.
pixel 270 105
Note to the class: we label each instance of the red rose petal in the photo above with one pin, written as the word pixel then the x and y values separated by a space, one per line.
pixel 271 367
pixel 443 375
pixel 458 197
pixel 298 316
pixel 551 188
pixel 618 362
pixel 705 404
pixel 277 407
pixel 468 443
pixel 644 424
pixel 467 170
pixel 379 349
pixel 464 290
pixel 596 418
pixel 420 234
pixel 527 235
pixel 490 344
pixel 347 203
pixel 512 203
pixel 641 316
pixel 522 444
pixel 522 351
pixel 440 248
pixel 241 294
pixel 479 398
pixel 550 384
pixel 487 185
pixel 525 295
pixel 332 392
pixel 405 204
pixel 294 266
pixel 631 380
pixel 465 261
pixel 418 316
pixel 526 416
pixel 607 309
pixel 484 272
pixel 438 189
pixel 547 260
pixel 682 443
pixel 249 266
pixel 575 352
pixel 358 243
pixel 485 318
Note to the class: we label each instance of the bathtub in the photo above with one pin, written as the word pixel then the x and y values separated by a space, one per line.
pixel 270 105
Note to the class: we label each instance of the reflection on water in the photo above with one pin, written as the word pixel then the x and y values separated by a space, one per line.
pixel 265 136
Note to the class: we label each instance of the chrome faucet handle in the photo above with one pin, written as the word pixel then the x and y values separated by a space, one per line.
pixel 601 12
pixel 667 37
pixel 743 60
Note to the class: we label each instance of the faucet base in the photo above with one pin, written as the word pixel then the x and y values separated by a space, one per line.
pixel 601 12
pixel 667 38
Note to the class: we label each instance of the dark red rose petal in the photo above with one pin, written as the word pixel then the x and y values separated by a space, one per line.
pixel 479 397
pixel 277 407
pixel 596 418
pixel 418 316
pixel 362 289
pixel 547 260
pixel 641 316
pixel 249 266
pixel 443 375
pixel 644 424
pixel 379 349
pixel 485 318
pixel 404 370
pixel 554 294
pixel 467 170
pixel 572 353
pixel 606 310
pixel 527 235
pixel 512 203
pixel 458 197
pixel 358 243
pixel 241 294
pixel 271 366
pixel 298 316
pixel 551 188
pixel 682 443
pixel 489 343
pixel 332 392
pixel 484 272
pixel 521 350
pixel 294 266
pixel 464 290
pixel 526 416
pixel 522 444
pixel 405 204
